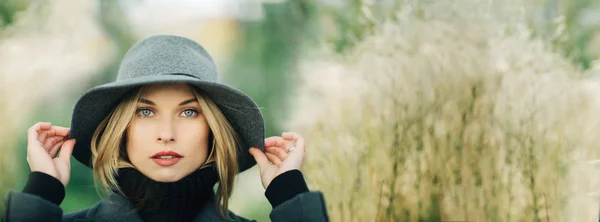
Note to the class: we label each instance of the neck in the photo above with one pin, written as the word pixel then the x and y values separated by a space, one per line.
pixel 167 201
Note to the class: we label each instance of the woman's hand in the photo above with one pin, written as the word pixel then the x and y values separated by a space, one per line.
pixel 44 141
pixel 278 159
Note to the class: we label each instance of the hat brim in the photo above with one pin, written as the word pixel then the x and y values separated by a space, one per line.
pixel 243 113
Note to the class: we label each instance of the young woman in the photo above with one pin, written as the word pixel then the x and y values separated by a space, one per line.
pixel 157 140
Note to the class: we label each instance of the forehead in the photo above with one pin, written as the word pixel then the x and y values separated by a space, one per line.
pixel 171 90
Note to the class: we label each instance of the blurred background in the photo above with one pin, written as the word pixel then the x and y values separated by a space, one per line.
pixel 414 110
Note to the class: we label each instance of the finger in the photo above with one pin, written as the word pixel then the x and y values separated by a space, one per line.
pixel 54 149
pixel 298 140
pixel 290 136
pixel 50 142
pixel 42 133
pixel 274 141
pixel 274 159
pixel 278 151
pixel 33 131
pixel 41 136
pixel 66 150
pixel 57 131
pixel 260 157
pixel 286 143
pixel 54 131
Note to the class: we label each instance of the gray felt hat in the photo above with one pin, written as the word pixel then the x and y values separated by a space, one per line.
pixel 167 59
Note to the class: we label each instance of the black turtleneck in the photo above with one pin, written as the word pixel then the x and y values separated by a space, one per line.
pixel 180 199
pixel 174 201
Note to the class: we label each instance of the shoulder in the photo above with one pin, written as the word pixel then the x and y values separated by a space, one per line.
pixel 22 206
pixel 75 216
pixel 238 218
pixel 210 213
pixel 98 211
pixel 112 208
pixel 308 206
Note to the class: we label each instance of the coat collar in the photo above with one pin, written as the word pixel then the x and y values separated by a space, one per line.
pixel 117 208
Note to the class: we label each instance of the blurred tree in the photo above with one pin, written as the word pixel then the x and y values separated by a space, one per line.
pixel 350 21
pixel 351 24
pixel 570 27
pixel 7 164
pixel 266 56
pixel 263 67
pixel 8 9
pixel 8 167
pixel 113 21
pixel 81 192
pixel 564 25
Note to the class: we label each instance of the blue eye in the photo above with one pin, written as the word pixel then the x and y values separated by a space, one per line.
pixel 189 113
pixel 145 112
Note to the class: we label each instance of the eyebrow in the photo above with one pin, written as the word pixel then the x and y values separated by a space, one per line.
pixel 142 100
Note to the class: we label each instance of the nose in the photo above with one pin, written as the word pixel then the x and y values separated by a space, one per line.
pixel 165 132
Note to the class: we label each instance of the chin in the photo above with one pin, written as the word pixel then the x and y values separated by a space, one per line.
pixel 166 176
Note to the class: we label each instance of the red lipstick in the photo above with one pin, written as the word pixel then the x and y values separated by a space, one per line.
pixel 166 158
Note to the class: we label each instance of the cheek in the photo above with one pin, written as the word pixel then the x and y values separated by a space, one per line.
pixel 195 134
pixel 136 141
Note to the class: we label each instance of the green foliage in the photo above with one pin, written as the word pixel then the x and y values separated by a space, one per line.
pixel 8 9
pixel 569 26
pixel 265 57
pixel 348 23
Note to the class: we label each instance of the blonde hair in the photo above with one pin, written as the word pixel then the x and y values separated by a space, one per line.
pixel 109 151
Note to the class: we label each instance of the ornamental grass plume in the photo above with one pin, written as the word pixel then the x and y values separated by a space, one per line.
pixel 437 117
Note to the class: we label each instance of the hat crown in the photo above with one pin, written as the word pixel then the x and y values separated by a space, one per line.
pixel 165 55
pixel 167 59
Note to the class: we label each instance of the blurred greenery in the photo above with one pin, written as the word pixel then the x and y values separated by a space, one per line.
pixel 267 52
pixel 569 26
pixel 262 67
pixel 264 60
pixel 81 192
pixel 8 9
pixel 355 20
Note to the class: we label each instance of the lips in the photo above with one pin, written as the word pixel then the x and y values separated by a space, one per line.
pixel 166 158
pixel 166 154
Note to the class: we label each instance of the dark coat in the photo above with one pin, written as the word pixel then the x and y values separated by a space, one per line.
pixel 23 207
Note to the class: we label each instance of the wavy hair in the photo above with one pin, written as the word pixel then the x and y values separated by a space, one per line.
pixel 109 149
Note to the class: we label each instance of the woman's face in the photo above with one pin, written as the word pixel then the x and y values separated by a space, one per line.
pixel 168 137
